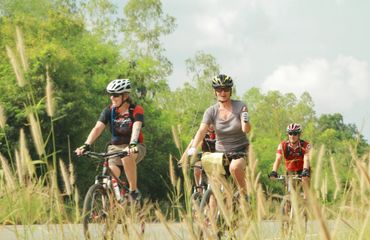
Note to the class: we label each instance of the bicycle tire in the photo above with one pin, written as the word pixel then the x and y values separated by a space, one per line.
pixel 286 215
pixel 217 221
pixel 195 200
pixel 96 208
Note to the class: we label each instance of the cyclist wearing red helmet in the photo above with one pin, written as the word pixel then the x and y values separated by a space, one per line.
pixel 296 154
pixel 126 120
pixel 231 123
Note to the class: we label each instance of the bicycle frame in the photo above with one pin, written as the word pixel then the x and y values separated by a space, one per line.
pixel 102 201
pixel 106 176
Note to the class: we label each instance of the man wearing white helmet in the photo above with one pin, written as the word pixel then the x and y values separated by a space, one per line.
pixel 126 121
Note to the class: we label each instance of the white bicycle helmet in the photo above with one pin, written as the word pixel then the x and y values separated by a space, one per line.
pixel 119 86
pixel 294 127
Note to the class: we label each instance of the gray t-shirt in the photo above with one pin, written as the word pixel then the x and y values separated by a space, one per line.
pixel 230 136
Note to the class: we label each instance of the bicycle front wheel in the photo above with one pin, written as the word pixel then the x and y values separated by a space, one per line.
pixel 195 201
pixel 286 215
pixel 96 212
pixel 213 225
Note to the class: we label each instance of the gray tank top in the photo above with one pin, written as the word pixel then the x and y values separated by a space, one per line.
pixel 230 136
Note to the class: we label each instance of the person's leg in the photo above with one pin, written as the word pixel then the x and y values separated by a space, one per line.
pixel 237 170
pixel 213 209
pixel 115 170
pixel 197 173
pixel 130 166
pixel 114 163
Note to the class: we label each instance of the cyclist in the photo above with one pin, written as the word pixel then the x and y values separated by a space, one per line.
pixel 296 154
pixel 208 145
pixel 231 123
pixel 126 120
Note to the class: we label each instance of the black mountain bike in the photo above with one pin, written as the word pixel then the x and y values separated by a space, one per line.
pixel 106 204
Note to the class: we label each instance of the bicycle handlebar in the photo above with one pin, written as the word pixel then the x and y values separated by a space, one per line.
pixel 283 177
pixel 99 155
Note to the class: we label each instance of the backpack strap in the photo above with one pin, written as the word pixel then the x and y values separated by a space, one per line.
pixel 300 149
pixel 113 116
pixel 286 149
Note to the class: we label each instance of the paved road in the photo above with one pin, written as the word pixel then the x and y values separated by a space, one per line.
pixel 268 230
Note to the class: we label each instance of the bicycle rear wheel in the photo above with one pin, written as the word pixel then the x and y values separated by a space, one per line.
pixel 96 213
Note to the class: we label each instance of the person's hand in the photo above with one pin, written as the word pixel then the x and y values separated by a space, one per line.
pixel 245 117
pixel 273 174
pixel 192 151
pixel 85 147
pixel 306 172
pixel 132 148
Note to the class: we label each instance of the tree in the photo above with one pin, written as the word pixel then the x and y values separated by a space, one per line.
pixel 185 106
pixel 340 133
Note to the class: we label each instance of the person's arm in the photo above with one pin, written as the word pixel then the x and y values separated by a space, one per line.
pixel 277 162
pixel 244 116
pixel 199 136
pixel 136 128
pixel 93 135
pixel 306 161
pixel 246 127
pixel 95 132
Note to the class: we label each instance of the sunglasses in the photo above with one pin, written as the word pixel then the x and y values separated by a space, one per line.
pixel 222 89
pixel 115 94
pixel 293 133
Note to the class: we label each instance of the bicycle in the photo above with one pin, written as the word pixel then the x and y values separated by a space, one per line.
pixel 105 199
pixel 197 190
pixel 289 206
pixel 219 202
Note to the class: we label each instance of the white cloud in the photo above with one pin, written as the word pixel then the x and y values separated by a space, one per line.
pixel 334 86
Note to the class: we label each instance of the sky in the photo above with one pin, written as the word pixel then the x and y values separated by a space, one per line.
pixel 318 46
pixel 322 47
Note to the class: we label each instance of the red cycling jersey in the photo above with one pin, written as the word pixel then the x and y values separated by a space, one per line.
pixel 293 155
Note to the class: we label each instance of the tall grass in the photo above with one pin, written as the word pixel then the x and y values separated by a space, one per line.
pixel 25 197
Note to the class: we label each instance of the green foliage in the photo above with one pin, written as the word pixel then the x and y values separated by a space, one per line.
pixel 80 65
pixel 185 106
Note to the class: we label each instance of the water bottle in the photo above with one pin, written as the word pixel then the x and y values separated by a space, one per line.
pixel 116 189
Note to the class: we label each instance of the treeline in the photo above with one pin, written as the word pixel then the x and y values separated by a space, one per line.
pixel 77 47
